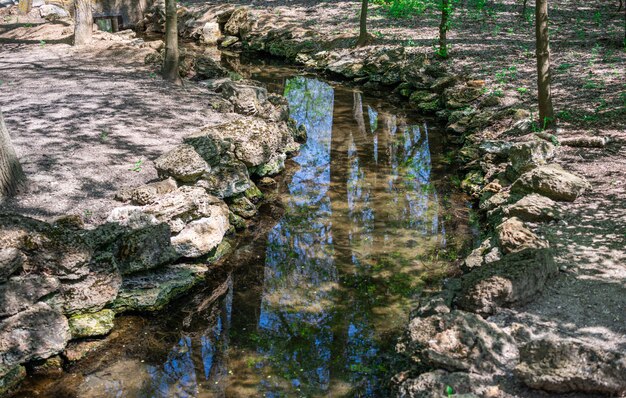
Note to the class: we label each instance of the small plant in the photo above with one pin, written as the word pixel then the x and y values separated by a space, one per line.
pixel 137 166
pixel 522 90
pixel 152 75
pixel 104 136
pixel 449 391
pixel 87 214
pixel 565 115
pixel 42 43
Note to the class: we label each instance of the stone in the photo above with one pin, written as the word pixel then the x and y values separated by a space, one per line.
pixel 525 156
pixel 350 68
pixel 132 217
pixel 494 201
pixel 37 333
pixel 240 23
pixel 551 181
pixel 152 291
pixel 228 41
pixel 93 291
pixel 247 99
pixel 143 249
pixel 11 260
pixel 182 163
pixel 435 384
pixel 77 350
pixel 513 280
pixel 461 341
pixel 242 206
pixel 10 379
pixel 21 292
pixel 237 221
pixel 52 12
pixel 564 366
pixel 534 208
pixel 91 324
pixel 147 193
pixel 114 378
pixel 201 236
pixel 499 148
pixel 228 179
pixel 273 167
pixel 460 96
pixel 420 96
pixel 210 33
pixel 184 205
pixel 206 68
pixel 442 83
pixel 475 259
pixel 513 236
pixel 253 194
pixel 52 366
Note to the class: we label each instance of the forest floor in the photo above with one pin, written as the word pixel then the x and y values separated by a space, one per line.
pixel 87 122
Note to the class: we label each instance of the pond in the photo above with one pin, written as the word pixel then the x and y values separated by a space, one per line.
pixel 315 295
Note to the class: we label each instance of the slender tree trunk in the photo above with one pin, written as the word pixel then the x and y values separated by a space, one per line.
pixel 24 7
pixel 363 37
pixel 83 22
pixel 524 8
pixel 546 112
pixel 446 8
pixel 170 61
pixel 11 174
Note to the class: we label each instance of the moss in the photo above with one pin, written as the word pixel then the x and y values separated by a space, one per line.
pixel 11 379
pixel 94 324
pixel 254 194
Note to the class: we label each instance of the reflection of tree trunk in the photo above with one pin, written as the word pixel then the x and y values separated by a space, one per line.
pixel 357 111
pixel 11 174
pixel 83 22
pixel 170 61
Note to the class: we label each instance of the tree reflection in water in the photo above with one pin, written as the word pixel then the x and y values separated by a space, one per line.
pixel 342 266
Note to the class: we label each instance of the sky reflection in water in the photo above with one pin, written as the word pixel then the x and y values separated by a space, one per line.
pixel 342 266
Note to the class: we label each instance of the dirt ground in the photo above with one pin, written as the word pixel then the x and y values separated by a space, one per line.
pixel 87 122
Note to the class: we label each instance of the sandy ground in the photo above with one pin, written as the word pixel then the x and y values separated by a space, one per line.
pixel 82 119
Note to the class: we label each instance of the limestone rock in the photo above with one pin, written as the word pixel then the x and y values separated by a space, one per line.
pixel 145 194
pixel 132 217
pixel 551 181
pixel 525 156
pixel 253 194
pixel 91 324
pixel 442 83
pixel 461 341
pixel 152 291
pixel 207 68
pixel 11 378
pixel 246 98
pixel 91 292
pixel 144 249
pixel 274 166
pixel 36 333
pixel 21 292
pixel 201 236
pixel 228 179
pixel 435 384
pixel 52 12
pixel 460 96
pixel 567 366
pixel 182 163
pixel 11 260
pixel 513 280
pixel 240 23
pixel 349 68
pixel 77 350
pixel 179 207
pixel 534 208
pixel 210 33
pixel 514 236
pixel 228 41
pixel 242 206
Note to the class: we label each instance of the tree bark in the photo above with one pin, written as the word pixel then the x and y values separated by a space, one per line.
pixel 446 8
pixel 11 174
pixel 24 7
pixel 546 112
pixel 83 22
pixel 363 37
pixel 170 61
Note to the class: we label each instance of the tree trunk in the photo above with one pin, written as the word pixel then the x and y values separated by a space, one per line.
pixel 11 174
pixel 546 112
pixel 170 62
pixel 24 7
pixel 524 8
pixel 83 22
pixel 363 37
pixel 446 8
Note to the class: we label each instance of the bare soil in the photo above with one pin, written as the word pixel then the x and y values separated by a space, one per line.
pixel 89 121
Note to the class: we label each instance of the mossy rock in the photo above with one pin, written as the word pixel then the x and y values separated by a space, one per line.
pixel 154 290
pixel 10 379
pixel 236 221
pixel 429 107
pixel 253 194
pixel 94 324
pixel 472 183
pixel 420 96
